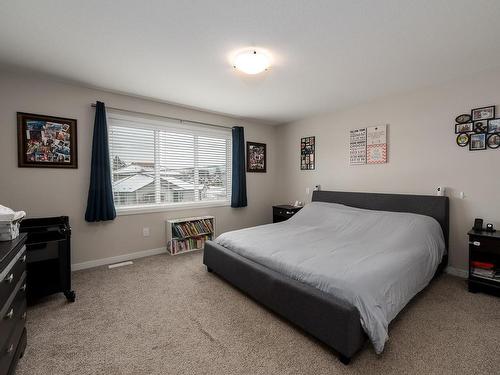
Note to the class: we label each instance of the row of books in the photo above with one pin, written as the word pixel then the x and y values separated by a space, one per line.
pixel 192 228
pixel 175 246
pixel 485 269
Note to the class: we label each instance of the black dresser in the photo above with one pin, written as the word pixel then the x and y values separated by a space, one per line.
pixel 484 262
pixel 12 303
pixel 284 212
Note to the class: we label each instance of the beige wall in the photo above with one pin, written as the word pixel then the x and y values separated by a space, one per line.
pixel 46 192
pixel 422 153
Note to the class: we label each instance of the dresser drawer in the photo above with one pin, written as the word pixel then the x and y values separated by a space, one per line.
pixel 482 244
pixel 11 275
pixel 14 311
pixel 9 350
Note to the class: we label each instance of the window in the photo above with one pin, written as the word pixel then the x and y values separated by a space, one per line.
pixel 158 164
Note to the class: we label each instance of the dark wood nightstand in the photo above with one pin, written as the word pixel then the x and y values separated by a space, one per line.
pixel 284 212
pixel 484 252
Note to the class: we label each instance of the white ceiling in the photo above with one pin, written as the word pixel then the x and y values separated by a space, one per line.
pixel 328 54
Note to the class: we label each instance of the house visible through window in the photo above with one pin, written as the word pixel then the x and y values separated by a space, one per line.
pixel 161 163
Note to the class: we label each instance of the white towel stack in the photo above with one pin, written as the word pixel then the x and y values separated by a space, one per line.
pixel 9 223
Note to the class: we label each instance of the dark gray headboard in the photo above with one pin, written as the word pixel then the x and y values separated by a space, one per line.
pixel 430 205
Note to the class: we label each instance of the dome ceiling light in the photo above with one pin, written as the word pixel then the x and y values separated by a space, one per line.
pixel 252 61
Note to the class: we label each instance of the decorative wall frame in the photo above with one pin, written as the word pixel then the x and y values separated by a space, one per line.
pixel 480 130
pixel 462 139
pixel 477 142
pixel 256 157
pixel 493 140
pixel 368 145
pixel 46 141
pixel 483 113
pixel 308 153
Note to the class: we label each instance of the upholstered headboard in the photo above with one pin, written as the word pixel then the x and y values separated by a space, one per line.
pixel 429 205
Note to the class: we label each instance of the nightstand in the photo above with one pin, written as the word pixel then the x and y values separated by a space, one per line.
pixel 484 262
pixel 284 212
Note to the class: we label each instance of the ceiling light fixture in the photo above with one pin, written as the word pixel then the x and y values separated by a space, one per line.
pixel 251 61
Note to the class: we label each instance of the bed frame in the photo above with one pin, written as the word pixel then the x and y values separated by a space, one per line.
pixel 326 317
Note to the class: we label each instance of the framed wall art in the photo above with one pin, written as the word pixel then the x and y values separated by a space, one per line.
pixel 493 140
pixel 481 126
pixel 462 119
pixel 477 142
pixel 46 141
pixel 462 139
pixel 368 145
pixel 480 130
pixel 307 153
pixel 464 127
pixel 357 146
pixel 256 157
pixel 483 113
pixel 494 125
pixel 376 144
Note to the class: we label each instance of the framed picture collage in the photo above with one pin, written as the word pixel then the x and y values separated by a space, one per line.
pixel 480 130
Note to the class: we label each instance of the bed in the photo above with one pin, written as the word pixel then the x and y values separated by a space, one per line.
pixel 343 267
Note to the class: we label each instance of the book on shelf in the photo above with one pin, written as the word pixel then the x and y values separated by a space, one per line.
pixel 176 246
pixel 484 272
pixel 483 265
pixel 192 228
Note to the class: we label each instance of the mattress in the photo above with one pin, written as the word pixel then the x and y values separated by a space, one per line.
pixel 375 260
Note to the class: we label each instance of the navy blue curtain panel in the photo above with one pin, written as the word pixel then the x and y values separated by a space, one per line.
pixel 100 205
pixel 239 188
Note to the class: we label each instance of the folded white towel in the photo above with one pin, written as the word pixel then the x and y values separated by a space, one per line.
pixel 8 215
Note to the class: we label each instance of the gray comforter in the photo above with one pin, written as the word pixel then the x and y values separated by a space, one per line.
pixel 375 260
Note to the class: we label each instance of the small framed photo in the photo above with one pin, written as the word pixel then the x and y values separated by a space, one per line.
pixel 481 126
pixel 494 125
pixel 477 142
pixel 46 141
pixel 464 128
pixel 483 113
pixel 493 140
pixel 462 139
pixel 462 119
pixel 256 157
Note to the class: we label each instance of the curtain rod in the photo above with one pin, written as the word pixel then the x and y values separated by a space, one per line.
pixel 166 117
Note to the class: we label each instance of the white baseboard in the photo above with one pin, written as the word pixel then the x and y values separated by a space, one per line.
pixel 118 258
pixel 457 272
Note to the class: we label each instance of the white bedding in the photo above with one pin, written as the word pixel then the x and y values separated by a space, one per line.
pixel 375 260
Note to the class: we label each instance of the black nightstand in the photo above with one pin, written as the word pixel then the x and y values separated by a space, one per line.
pixel 484 247
pixel 284 212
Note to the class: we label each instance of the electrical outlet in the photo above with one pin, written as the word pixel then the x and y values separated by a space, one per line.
pixel 145 232
pixel 308 190
pixel 461 195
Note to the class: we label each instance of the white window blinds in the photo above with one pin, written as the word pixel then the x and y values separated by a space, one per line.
pixel 160 163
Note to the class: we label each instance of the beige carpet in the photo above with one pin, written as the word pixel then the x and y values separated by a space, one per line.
pixel 167 315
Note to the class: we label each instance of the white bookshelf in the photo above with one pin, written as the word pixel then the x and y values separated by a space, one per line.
pixel 189 234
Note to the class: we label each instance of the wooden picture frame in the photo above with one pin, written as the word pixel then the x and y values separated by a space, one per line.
pixel 256 157
pixel 46 141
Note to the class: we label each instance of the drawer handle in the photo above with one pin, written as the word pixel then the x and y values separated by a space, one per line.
pixel 475 243
pixel 23 258
pixel 10 314
pixel 23 288
pixel 289 212
pixel 9 278
pixel 10 349
pixel 23 317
